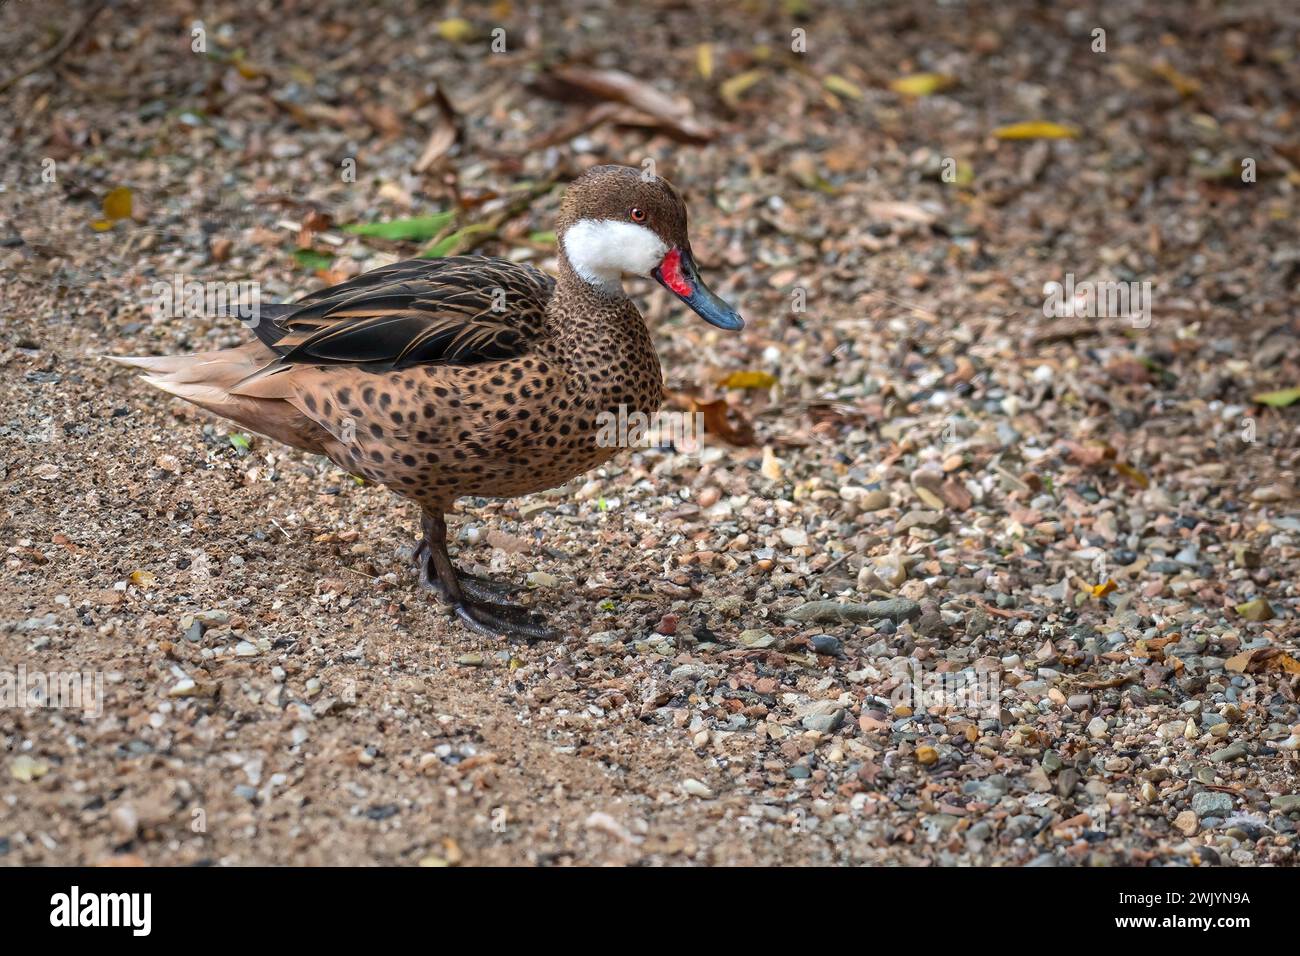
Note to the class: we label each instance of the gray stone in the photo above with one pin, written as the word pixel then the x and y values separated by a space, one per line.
pixel 825 644
pixel 1286 803
pixel 894 609
pixel 935 520
pixel 688 672
pixel 824 723
pixel 874 500
pixel 1211 803
pixel 1231 752
pixel 756 638
pixel 931 624
pixel 823 612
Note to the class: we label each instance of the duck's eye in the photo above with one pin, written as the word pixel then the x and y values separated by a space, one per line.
pixel 637 214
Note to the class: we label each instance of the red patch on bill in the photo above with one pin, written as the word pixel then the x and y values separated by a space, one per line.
pixel 671 270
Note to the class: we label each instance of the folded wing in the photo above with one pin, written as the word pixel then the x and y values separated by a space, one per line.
pixel 460 310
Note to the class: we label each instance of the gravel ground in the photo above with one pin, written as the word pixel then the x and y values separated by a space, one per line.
pixel 1089 525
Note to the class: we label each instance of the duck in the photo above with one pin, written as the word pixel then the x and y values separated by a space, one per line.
pixel 467 375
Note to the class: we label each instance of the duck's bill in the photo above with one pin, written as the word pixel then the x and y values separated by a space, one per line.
pixel 678 274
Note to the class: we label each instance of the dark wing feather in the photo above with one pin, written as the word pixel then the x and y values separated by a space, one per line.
pixel 459 310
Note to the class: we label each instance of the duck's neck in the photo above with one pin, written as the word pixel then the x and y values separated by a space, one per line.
pixel 596 329
pixel 581 314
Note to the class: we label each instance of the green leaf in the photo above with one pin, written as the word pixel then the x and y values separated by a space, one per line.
pixel 419 229
pixel 450 245
pixel 545 238
pixel 240 442
pixel 1279 399
pixel 311 260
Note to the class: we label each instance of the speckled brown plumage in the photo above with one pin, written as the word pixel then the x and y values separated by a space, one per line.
pixel 449 377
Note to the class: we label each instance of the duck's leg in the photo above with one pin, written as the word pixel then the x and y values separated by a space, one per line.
pixel 479 588
pixel 479 613
pixel 483 589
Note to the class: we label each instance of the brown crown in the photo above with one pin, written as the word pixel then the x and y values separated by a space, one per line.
pixel 612 192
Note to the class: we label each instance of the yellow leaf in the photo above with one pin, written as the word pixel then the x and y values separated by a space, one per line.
pixel 1185 85
pixel 704 60
pixel 143 579
pixel 1036 130
pixel 1101 590
pixel 101 225
pixel 117 204
pixel 748 380
pixel 922 84
pixel 457 30
pixel 1131 473
pixel 839 85
pixel 1279 399
pixel 732 90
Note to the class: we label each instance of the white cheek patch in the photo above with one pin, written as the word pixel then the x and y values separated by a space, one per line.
pixel 601 251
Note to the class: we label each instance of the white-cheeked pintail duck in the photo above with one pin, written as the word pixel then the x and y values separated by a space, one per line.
pixel 467 375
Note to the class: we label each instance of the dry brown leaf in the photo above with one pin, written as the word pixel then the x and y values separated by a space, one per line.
pixel 671 114
pixel 898 211
pixel 718 421
pixel 444 135
pixel 1285 662
pixel 1185 85
pixel 582 123
pixel 385 120
pixel 1238 663
pixel 1132 474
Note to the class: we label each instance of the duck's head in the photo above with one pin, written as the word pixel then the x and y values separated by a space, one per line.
pixel 615 222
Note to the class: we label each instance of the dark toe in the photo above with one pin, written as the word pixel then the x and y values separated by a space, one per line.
pixel 504 620
pixel 486 589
